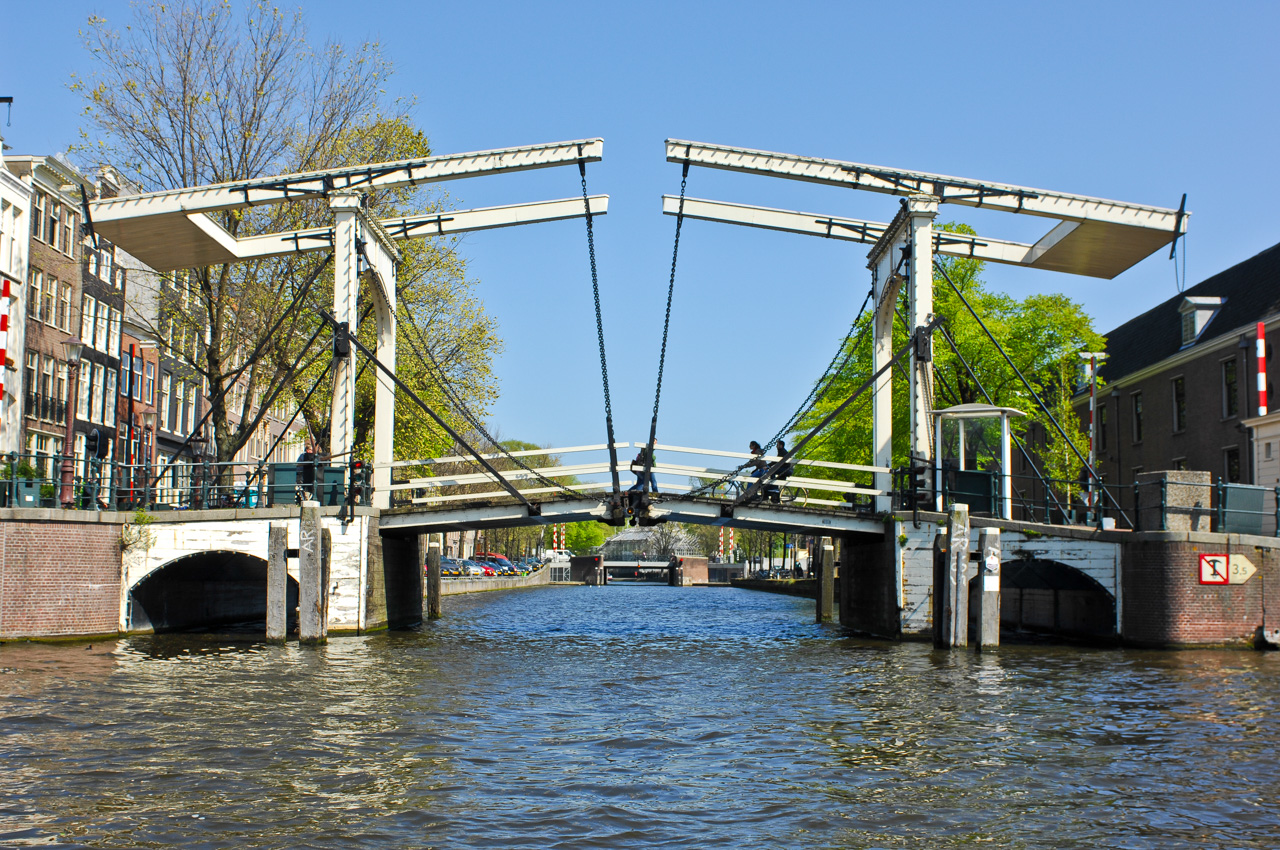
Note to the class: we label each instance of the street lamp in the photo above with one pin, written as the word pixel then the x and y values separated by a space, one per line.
pixel 73 348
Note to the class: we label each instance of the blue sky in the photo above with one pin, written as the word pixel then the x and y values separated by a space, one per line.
pixel 1134 101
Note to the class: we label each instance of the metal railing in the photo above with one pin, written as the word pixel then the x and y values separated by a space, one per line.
pixel 1221 506
pixel 43 407
pixel 35 480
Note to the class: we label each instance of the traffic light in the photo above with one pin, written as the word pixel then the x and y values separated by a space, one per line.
pixel 919 485
pixel 360 486
pixel 94 445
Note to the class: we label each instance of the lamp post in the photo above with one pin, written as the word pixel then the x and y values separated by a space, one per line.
pixel 73 348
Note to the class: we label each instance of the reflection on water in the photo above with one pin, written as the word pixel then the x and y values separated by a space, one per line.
pixel 632 716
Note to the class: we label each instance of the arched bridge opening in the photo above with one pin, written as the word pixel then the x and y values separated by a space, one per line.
pixel 206 590
pixel 1043 597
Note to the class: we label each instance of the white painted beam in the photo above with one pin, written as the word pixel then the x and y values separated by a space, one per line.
pixel 952 190
pixel 848 229
pixel 400 229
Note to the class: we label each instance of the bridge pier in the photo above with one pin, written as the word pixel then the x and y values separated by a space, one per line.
pixel 314 552
pixel 824 558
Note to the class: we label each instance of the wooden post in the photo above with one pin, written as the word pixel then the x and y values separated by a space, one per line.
pixel 955 623
pixel 312 625
pixel 941 548
pixel 988 588
pixel 826 603
pixel 277 583
pixel 433 574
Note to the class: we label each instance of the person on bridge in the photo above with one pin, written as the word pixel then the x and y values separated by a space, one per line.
pixel 637 466
pixel 758 466
pixel 307 469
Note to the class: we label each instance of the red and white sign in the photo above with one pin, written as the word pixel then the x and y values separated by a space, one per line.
pixel 1225 569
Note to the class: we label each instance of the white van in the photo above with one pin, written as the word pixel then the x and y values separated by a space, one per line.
pixel 551 556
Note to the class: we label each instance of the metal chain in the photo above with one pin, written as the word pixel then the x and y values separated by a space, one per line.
pixel 604 364
pixel 666 322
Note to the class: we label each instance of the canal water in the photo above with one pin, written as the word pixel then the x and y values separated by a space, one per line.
pixel 633 716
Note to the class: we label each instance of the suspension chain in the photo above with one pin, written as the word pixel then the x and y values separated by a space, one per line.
pixel 666 322
pixel 604 364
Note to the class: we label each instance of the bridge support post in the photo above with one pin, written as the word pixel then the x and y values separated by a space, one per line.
pixel 826 603
pixel 951 581
pixel 429 548
pixel 988 590
pixel 277 583
pixel 313 576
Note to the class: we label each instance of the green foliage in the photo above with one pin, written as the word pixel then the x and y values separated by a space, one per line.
pixel 579 537
pixel 1042 334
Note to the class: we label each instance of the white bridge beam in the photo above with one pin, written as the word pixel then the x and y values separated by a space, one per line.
pixel 1096 237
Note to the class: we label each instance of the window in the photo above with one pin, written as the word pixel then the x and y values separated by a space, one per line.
pixel 150 397
pixel 88 313
pixel 68 231
pixel 1266 451
pixel 46 378
pixel 1137 417
pixel 137 376
pixel 96 398
pixel 33 368
pixel 52 230
pixel 62 382
pixel 166 385
pixel 113 343
pixel 1179 463
pixel 1102 427
pixel 188 409
pixel 86 384
pixel 34 285
pixel 64 308
pixel 37 216
pixel 1178 386
pixel 1230 395
pixel 1231 464
pixel 109 399
pixel 49 300
pixel 126 364
pixel 102 328
pixel 180 403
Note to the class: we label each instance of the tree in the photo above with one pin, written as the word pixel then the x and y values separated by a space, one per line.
pixel 191 94
pixel 1041 334
pixel 580 537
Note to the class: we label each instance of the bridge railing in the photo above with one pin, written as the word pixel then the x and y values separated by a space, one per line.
pixel 461 479
pixel 36 480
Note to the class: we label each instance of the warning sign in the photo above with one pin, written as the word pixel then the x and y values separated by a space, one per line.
pixel 1225 569
pixel 1213 569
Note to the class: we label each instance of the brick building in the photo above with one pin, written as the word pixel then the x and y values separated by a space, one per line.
pixel 1180 379
pixel 52 301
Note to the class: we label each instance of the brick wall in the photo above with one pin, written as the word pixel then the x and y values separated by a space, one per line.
pixel 1164 604
pixel 59 579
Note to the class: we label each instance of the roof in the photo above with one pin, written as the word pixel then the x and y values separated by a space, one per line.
pixel 1251 295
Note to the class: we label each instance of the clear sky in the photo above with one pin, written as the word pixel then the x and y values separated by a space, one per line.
pixel 1134 101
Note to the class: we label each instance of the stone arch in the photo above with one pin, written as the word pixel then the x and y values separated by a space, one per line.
pixel 1049 597
pixel 204 590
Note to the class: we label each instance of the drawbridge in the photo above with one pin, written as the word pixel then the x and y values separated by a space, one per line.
pixel 484 485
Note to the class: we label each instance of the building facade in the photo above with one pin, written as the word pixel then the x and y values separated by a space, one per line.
pixel 15 242
pixel 1180 381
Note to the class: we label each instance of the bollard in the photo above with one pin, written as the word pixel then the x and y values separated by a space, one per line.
pixel 988 590
pixel 826 602
pixel 312 589
pixel 941 547
pixel 955 615
pixel 277 583
pixel 433 575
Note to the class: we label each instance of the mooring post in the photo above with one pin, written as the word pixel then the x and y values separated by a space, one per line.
pixel 433 575
pixel 941 549
pixel 312 602
pixel 277 582
pixel 955 615
pixel 826 603
pixel 988 596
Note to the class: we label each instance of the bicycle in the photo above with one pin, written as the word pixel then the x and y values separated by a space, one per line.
pixel 777 491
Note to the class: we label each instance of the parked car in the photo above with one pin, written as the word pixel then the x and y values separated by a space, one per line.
pixel 449 567
pixel 473 570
